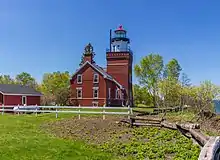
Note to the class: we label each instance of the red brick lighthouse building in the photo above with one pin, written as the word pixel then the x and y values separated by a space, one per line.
pixel 93 85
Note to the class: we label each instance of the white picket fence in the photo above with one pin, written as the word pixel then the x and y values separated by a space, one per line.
pixel 68 109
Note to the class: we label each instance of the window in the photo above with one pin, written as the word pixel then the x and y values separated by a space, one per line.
pixel 95 104
pixel 79 79
pixel 24 100
pixel 79 92
pixel 109 93
pixel 95 78
pixel 95 92
pixel 117 94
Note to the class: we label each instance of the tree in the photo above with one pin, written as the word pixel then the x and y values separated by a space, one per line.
pixel 149 73
pixel 55 86
pixel 26 79
pixel 172 69
pixel 6 79
pixel 170 92
pixel 141 96
pixel 185 81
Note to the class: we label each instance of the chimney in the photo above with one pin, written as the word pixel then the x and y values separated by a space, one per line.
pixel 88 58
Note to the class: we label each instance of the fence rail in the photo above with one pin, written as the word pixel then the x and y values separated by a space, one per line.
pixel 68 109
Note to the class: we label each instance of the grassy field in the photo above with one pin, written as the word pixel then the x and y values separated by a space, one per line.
pixel 21 138
pixel 45 137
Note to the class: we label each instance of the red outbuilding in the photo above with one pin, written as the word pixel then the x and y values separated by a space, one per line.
pixel 13 94
pixel 93 85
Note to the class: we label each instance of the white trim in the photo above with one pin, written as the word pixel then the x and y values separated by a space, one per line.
pixel 95 74
pixel 20 94
pixel 109 93
pixel 77 96
pixel 97 89
pixel 13 94
pixel 22 100
pixel 79 75
pixel 117 94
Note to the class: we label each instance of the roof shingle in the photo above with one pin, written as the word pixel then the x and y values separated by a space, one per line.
pixel 18 89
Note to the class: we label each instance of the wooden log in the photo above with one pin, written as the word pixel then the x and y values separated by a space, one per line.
pixel 147 118
pixel 146 124
pixel 197 135
pixel 189 126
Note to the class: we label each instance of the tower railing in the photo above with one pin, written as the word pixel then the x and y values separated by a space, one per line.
pixel 127 50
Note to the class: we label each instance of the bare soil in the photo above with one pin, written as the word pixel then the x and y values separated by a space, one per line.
pixel 94 130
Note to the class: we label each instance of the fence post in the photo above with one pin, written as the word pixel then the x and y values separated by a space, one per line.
pixel 129 111
pixel 36 110
pixel 56 112
pixel 18 110
pixel 2 109
pixel 79 111
pixel 103 112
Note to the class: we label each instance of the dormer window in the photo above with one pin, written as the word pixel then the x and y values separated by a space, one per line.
pixel 79 79
pixel 95 78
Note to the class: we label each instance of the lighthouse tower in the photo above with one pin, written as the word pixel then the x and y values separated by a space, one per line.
pixel 119 61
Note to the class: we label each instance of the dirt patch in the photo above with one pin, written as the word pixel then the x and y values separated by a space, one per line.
pixel 94 130
pixel 211 126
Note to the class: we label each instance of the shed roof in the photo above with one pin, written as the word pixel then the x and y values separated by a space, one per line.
pixel 15 89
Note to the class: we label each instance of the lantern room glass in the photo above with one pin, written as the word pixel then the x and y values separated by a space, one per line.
pixel 120 34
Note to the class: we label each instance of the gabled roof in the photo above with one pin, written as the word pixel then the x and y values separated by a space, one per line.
pixel 100 70
pixel 15 89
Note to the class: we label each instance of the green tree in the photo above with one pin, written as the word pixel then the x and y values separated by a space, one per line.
pixel 170 92
pixel 172 69
pixel 149 73
pixel 6 79
pixel 141 96
pixel 55 87
pixel 26 79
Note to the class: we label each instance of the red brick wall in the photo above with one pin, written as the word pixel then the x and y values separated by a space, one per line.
pixel 12 100
pixel 87 88
pixel 17 100
pixel 119 65
pixel 33 100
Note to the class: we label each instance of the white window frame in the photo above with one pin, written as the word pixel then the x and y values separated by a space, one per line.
pixel 117 95
pixel 95 104
pixel 79 75
pixel 77 95
pixel 96 74
pixel 22 100
pixel 95 88
pixel 109 93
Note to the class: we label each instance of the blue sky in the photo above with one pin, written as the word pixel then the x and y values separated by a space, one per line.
pixel 41 36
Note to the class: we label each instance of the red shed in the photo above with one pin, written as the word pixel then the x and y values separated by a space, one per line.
pixel 13 94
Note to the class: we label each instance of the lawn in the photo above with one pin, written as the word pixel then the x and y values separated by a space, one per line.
pixel 66 138
pixel 21 138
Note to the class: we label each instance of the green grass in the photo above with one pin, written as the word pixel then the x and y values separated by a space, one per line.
pixel 143 109
pixel 21 138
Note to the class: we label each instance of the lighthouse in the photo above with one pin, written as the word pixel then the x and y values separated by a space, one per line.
pixel 120 42
pixel 119 61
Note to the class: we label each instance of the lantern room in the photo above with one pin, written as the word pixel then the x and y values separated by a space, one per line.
pixel 120 42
